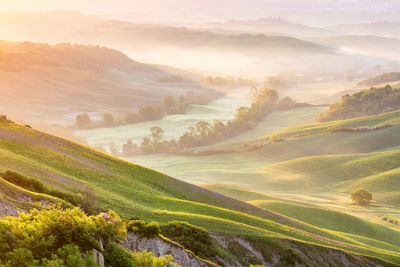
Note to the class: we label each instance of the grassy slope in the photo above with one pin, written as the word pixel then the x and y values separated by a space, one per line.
pixel 378 172
pixel 132 190
pixel 338 223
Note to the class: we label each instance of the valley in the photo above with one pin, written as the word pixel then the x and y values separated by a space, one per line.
pixel 180 134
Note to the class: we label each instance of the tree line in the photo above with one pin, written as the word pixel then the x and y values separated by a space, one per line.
pixel 364 103
pixel 205 133
pixel 169 106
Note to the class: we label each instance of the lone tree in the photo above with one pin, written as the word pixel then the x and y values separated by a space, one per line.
pixel 361 197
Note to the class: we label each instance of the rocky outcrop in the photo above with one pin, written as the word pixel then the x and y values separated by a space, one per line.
pixel 287 253
pixel 7 208
pixel 161 247
pixel 98 256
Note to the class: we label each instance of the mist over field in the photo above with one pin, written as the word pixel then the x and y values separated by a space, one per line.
pixel 199 133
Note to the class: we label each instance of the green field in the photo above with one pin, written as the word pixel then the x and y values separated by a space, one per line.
pixel 311 165
pixel 173 125
pixel 133 190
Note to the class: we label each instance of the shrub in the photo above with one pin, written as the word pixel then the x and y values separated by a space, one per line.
pixel 361 197
pixel 116 255
pixel 147 259
pixel 55 237
pixel 275 138
pixel 39 187
pixel 192 237
pixel 148 230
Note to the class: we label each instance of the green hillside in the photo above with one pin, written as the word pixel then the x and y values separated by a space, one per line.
pixel 364 103
pixel 378 172
pixel 340 223
pixel 134 191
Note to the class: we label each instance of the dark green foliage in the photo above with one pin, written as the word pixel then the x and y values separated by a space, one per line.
pixel 364 103
pixel 25 182
pixel 70 256
pixel 193 238
pixel 243 254
pixel 39 187
pixel 361 197
pixel 116 255
pixel 148 230
pixel 55 237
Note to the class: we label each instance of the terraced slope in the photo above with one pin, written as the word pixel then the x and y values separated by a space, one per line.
pixel 135 191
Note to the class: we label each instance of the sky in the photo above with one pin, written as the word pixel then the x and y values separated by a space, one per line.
pixel 162 10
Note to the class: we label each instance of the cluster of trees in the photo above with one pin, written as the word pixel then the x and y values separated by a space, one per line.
pixel 287 103
pixel 169 106
pixel 228 82
pixel 383 78
pixel 204 133
pixel 170 79
pixel 281 80
pixel 364 103
pixel 56 237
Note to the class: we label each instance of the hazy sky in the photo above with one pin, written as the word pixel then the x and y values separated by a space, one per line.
pixel 159 10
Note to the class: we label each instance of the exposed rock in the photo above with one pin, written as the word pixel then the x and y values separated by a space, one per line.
pixel 7 208
pixel 98 256
pixel 161 247
pixel 290 253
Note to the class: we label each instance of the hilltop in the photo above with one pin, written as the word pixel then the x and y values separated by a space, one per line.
pixel 278 26
pixel 203 49
pixel 59 81
pixel 364 103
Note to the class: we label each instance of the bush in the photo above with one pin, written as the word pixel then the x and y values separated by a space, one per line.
pixel 275 138
pixel 39 187
pixel 192 237
pixel 116 255
pixel 147 259
pixel 361 197
pixel 148 230
pixel 55 237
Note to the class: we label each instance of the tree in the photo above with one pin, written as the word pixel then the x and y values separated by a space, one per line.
pixel 83 121
pixel 286 103
pixel 108 120
pixel 149 113
pixel 157 133
pixel 113 149
pixel 169 101
pixel 129 148
pixel 361 196
pixel 203 129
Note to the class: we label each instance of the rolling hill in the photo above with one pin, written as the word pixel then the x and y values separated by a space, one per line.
pixel 371 45
pixel 53 83
pixel 269 25
pixel 379 28
pixel 197 49
pixel 135 191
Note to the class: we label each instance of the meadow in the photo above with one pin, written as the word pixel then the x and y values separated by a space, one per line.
pixel 135 191
pixel 173 125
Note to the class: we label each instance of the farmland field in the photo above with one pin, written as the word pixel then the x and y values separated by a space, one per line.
pixel 173 125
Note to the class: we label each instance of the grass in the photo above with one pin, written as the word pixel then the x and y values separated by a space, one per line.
pixel 341 224
pixel 377 172
pixel 135 191
pixel 173 125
